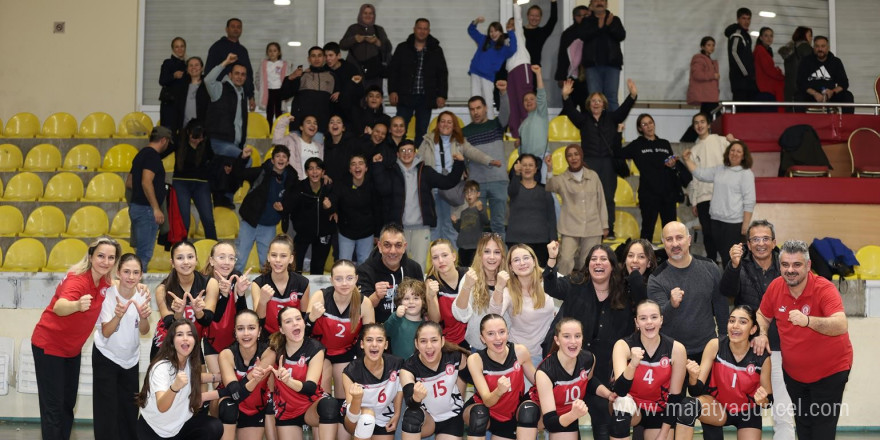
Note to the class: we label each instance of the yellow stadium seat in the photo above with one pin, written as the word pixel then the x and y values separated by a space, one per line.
pixel 22 125
pixel 238 197
pixel 11 158
pixel 168 163
pixel 633 169
pixel 411 128
pixel 559 162
pixel 562 130
pixel 267 156
pixel 225 220
pixel 624 195
pixel 13 221
pixel 105 187
pixel 83 157
pixel 658 231
pixel 625 226
pixel 161 261
pixel 63 187
pixel 97 125
pixel 45 221
pixel 869 263
pixel 88 221
pixel 125 245
pixel 59 125
pixel 275 125
pixel 42 157
pixel 257 126
pixel 134 125
pixel 514 155
pixel 65 254
pixel 25 255
pixel 118 158
pixel 121 225
pixel 203 249
pixel 23 187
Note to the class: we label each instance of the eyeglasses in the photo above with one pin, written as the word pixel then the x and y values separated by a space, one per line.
pixel 759 240
pixel 226 258
pixel 407 150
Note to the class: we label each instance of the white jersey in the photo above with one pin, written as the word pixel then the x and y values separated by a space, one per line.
pixel 379 392
pixel 443 401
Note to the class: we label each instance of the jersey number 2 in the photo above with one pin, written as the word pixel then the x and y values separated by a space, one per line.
pixel 341 332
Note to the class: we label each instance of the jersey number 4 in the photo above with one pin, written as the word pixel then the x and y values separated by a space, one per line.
pixel 649 376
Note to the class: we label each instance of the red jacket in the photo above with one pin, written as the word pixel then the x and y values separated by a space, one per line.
pixel 770 78
pixel 703 84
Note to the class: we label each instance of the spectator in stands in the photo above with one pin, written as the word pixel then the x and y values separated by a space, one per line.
pixel 349 81
pixel 706 153
pixel 368 46
pixel 302 144
pixel 598 130
pixel 191 175
pixel 582 222
pixel 535 34
pixel 822 78
pixel 231 44
pixel 265 204
pixel 312 89
pixel 534 129
pixel 602 33
pixel 519 78
pixel 660 175
pixel 733 195
pixel 227 114
pixel 191 104
pixel 358 211
pixel 418 78
pixel 535 221
pixel 492 51
pixel 703 82
pixel 817 354
pixel 369 110
pixel 396 131
pixel 372 142
pixel 63 328
pixel 436 152
pixel 310 202
pixel 746 279
pixel 487 135
pixel 272 72
pixel 385 269
pixel 792 53
pixel 338 148
pixel 739 57
pixel 568 60
pixel 768 77
pixel 172 78
pixel 147 183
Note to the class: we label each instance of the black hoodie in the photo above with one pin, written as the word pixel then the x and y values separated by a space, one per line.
pixel 740 59
pixel 374 270
pixel 402 71
pixel 818 75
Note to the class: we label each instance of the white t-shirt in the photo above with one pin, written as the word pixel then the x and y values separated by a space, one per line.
pixel 309 150
pixel 122 347
pixel 167 424
pixel 273 74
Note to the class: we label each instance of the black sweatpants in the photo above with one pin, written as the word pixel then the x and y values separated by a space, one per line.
pixel 57 384
pixel 199 427
pixel 115 413
pixel 816 405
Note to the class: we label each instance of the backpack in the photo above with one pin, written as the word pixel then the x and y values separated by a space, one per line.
pixel 831 257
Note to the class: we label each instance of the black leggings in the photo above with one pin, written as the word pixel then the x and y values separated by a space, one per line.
pixel 319 254
pixel 115 413
pixel 273 106
pixel 199 427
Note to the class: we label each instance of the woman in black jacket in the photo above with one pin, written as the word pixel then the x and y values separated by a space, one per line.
pixel 172 78
pixel 357 210
pixel 310 202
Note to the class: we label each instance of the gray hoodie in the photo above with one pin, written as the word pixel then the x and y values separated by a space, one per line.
pixel 412 211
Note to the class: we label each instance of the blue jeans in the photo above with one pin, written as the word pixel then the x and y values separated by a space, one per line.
pixel 496 195
pixel 143 231
pixel 416 104
pixel 444 227
pixel 360 248
pixel 247 235
pixel 200 193
pixel 605 79
pixel 225 148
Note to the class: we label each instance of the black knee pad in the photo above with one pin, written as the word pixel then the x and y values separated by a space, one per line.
pixel 413 419
pixel 228 412
pixel 528 414
pixel 329 410
pixel 479 421
pixel 688 411
pixel 620 424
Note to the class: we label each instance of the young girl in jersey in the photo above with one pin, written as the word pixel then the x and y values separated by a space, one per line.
pixel 738 379
pixel 272 72
pixel 499 372
pixel 649 369
pixel 372 388
pixel 486 274
pixel 563 379
pixel 432 379
pixel 279 285
pixel 184 293
pixel 442 289
pixel 220 266
pixel 125 316
pixel 410 309
pixel 337 314
pixel 296 393
pixel 170 399
pixel 492 52
pixel 523 302
pixel 244 379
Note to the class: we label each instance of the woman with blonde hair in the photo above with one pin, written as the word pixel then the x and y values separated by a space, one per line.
pixel 486 274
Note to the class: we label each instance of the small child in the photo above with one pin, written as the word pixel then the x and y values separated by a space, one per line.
pixel 492 52
pixel 272 73
pixel 411 308
pixel 471 225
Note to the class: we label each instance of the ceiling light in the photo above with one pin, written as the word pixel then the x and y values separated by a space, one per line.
pixel 767 14
pixel 282 2
pixel 521 2
pixel 754 33
pixel 294 43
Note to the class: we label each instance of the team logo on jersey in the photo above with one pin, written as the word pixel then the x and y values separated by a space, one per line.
pixel 516 366
pixel 301 362
pixel 664 362
pixel 584 374
pixel 750 369
pixel 805 309
pixel 104 292
pixel 450 369
pixel 393 376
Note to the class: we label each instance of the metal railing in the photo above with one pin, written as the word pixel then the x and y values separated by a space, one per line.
pixel 732 105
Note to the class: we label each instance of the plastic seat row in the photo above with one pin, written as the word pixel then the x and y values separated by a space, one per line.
pixel 64 187
pixel 63 125
pixel 29 255
pixel 50 221
pixel 82 157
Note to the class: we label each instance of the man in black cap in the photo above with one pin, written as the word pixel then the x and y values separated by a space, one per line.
pixel 147 183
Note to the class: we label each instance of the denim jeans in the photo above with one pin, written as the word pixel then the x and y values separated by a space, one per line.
pixel 200 193
pixel 496 195
pixel 415 104
pixel 444 227
pixel 143 231
pixel 247 235
pixel 605 79
pixel 225 148
pixel 355 249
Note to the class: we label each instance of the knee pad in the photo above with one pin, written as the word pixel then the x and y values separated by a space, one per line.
pixel 688 411
pixel 228 412
pixel 328 410
pixel 413 419
pixel 528 414
pixel 365 425
pixel 625 405
pixel 479 421
pixel 620 424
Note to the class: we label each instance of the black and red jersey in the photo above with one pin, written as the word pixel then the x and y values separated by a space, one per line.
pixel 733 383
pixel 567 387
pixel 505 408
pixel 334 329
pixel 200 282
pixel 291 297
pixel 650 387
pixel 290 404
pixel 256 401
pixel 453 329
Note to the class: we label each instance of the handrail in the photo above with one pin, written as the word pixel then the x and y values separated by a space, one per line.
pixel 732 105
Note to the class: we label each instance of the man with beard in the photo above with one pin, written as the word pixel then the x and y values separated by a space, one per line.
pixel 386 268
pixel 822 78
